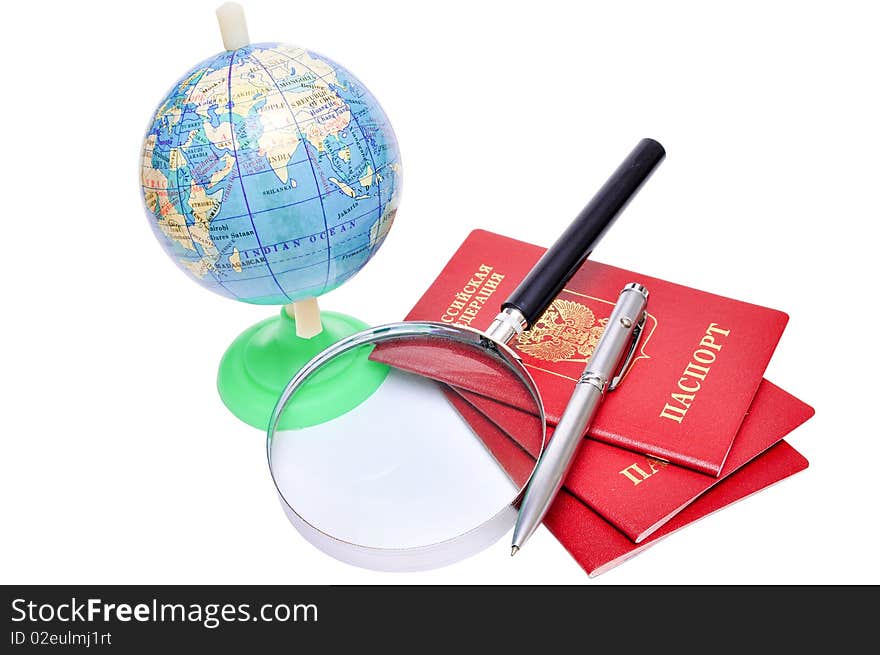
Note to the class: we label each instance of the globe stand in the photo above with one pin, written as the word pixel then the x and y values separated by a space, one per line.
pixel 261 361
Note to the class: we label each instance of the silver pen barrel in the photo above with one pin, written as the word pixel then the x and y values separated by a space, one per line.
pixel 555 461
pixel 609 358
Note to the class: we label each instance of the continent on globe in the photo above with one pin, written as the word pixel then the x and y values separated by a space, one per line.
pixel 270 174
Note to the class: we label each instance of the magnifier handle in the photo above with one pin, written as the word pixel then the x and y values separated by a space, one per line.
pixel 535 293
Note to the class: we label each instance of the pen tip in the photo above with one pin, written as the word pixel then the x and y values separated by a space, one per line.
pixel 514 550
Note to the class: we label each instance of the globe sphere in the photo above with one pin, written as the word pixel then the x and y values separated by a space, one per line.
pixel 270 174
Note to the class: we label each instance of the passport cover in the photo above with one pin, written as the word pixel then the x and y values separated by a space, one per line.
pixel 696 371
pixel 598 547
pixel 638 494
pixel 596 544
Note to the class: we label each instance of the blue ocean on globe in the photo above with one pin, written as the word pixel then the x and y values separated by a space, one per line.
pixel 270 174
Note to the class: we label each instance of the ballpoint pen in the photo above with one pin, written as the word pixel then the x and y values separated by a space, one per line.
pixel 604 371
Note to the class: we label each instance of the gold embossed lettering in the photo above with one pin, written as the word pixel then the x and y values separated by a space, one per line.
pixel 706 353
pixel 698 371
pixel 636 474
pixel 469 300
pixel 708 341
pixel 707 358
pixel 684 387
pixel 713 328
pixel 684 399
pixel 673 413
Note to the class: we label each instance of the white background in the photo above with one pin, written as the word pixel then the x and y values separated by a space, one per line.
pixel 120 464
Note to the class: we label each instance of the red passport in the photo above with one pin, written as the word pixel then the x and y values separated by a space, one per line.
pixel 698 366
pixel 598 547
pixel 592 541
pixel 638 494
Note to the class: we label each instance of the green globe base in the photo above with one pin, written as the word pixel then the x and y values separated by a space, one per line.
pixel 261 361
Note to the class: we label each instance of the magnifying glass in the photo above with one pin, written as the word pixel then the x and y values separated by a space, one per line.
pixel 399 481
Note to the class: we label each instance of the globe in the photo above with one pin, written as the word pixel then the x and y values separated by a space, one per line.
pixel 270 174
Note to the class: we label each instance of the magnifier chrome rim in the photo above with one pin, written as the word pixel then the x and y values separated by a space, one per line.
pixel 428 555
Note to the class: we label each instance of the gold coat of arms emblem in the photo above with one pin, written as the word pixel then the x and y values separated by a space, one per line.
pixel 567 331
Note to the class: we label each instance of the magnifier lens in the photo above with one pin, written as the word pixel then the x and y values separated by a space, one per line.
pixel 403 469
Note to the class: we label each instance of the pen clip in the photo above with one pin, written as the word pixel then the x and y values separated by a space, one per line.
pixel 636 337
